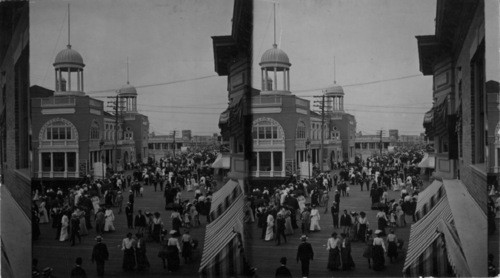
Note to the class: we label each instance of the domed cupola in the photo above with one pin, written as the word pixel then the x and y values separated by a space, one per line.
pixel 335 98
pixel 68 63
pixel 128 96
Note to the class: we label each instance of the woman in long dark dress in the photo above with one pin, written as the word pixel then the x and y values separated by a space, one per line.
pixel 186 246
pixel 392 246
pixel 176 221
pixel 345 253
pixel 140 252
pixel 173 250
pixel 157 227
pixel 367 253
pixel 333 247
pixel 378 252
pixel 128 253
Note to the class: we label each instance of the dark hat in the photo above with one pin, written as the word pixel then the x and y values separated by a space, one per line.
pixel 283 260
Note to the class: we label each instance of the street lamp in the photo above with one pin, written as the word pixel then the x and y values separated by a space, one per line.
pixel 308 142
pixel 101 143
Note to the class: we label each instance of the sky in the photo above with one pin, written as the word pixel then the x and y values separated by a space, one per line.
pixel 165 42
pixel 371 41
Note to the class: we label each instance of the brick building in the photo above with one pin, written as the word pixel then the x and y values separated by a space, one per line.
pixel 462 56
pixel 15 147
pixel 72 131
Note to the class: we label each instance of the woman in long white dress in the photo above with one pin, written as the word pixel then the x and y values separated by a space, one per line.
pixel 270 228
pixel 42 212
pixel 64 228
pixel 109 217
pixel 189 185
pixel 315 217
pixel 83 227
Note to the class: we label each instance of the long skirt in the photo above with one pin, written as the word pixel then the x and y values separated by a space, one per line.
pixel 334 259
pixel 187 250
pixel 128 259
pixel 288 226
pixel 362 232
pixel 315 225
pixel 83 227
pixel 378 257
pixel 392 250
pixel 347 261
pixel 173 258
pixel 64 234
pixel 382 223
pixel 156 232
pixel 176 224
pixel 142 259
pixel 269 233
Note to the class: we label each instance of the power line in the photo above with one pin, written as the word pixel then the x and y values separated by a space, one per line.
pixel 157 84
pixel 55 47
pixel 178 112
pixel 361 84
pixel 182 107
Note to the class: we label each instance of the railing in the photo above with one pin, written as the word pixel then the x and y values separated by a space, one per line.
pixel 266 174
pixel 58 101
pixel 266 100
pixel 267 142
pixel 59 143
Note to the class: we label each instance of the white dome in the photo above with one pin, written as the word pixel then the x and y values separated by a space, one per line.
pixel 334 90
pixel 275 56
pixel 69 56
pixel 127 91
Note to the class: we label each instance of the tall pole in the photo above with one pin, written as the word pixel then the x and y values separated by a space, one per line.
pixel 174 144
pixel 322 132
pixel 380 142
pixel 115 147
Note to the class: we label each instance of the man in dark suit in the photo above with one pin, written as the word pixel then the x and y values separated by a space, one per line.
pixel 77 271
pixel 305 253
pixel 130 214
pixel 283 271
pixel 100 255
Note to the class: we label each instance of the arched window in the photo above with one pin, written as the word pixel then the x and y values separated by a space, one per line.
pixel 301 130
pixel 264 129
pixel 94 131
pixel 58 130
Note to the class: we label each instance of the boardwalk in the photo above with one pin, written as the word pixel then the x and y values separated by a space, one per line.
pixel 61 256
pixel 266 255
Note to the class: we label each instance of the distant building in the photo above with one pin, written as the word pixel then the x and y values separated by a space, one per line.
pixel 374 144
pixel 394 134
pixel 186 135
pixel 15 147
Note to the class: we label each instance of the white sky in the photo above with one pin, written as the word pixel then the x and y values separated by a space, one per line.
pixel 165 41
pixel 371 40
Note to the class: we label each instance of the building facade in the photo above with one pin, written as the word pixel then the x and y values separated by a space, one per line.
pixel 72 131
pixel 15 131
pixel 462 57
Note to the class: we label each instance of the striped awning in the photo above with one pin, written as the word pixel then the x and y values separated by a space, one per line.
pixel 423 234
pixel 428 198
pixel 224 197
pixel 220 236
pixel 222 161
pixel 456 219
pixel 428 161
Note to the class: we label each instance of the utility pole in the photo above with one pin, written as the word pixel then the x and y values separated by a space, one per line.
pixel 174 144
pixel 322 107
pixel 116 106
pixel 381 144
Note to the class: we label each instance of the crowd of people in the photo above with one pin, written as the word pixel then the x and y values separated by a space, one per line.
pixel 94 204
pixel 298 207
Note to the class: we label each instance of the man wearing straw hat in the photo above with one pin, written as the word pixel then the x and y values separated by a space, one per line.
pixel 100 255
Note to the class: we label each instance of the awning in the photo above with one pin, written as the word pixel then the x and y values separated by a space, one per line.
pixel 222 161
pixel 220 251
pixel 428 198
pixel 224 117
pixel 429 116
pixel 428 161
pixel 458 220
pixel 224 197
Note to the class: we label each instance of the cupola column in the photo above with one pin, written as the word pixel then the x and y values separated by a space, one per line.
pixel 262 78
pixel 288 79
pixel 69 80
pixel 275 79
pixel 78 80
pixel 82 80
